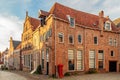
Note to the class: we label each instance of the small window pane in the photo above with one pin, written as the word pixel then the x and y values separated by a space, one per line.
pixel 95 40
pixel 112 53
pixel 60 35
pixel 72 22
pixel 79 38
pixel 70 39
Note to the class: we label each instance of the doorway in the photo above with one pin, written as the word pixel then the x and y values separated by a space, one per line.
pixel 47 68
pixel 112 66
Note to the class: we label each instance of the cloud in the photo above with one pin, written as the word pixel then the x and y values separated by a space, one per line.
pixel 9 26
pixel 111 8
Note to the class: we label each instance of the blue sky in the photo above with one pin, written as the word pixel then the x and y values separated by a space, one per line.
pixel 12 13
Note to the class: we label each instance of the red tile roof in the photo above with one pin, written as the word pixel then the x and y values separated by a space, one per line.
pixel 34 22
pixel 43 13
pixel 81 18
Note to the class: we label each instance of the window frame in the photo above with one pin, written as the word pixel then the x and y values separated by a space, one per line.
pixel 106 27
pixel 74 62
pixel 62 37
pixel 82 60
pixel 101 59
pixel 95 43
pixel 73 22
pixel 78 38
pixel 92 59
pixel 112 52
pixel 72 37
pixel 110 41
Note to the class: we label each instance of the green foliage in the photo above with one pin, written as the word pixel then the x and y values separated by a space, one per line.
pixel 67 74
pixel 91 71
pixel 38 70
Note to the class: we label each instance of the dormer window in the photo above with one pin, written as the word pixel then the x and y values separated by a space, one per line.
pixel 108 26
pixel 72 22
pixel 43 21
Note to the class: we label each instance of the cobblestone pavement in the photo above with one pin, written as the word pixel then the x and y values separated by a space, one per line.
pixel 98 76
pixel 10 76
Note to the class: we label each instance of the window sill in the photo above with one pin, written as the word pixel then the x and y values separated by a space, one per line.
pixel 61 42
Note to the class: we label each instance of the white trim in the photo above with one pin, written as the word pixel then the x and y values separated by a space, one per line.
pixel 70 22
pixel 82 65
pixel 81 39
pixel 62 35
pixel 97 40
pixel 108 22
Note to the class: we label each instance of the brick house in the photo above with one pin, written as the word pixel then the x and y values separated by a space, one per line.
pixel 78 40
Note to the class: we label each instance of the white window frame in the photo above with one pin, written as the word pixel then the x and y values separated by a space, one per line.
pixel 68 38
pixel 102 59
pixel 113 53
pixel 108 22
pixel 97 40
pixel 62 35
pixel 82 63
pixel 73 59
pixel 70 22
pixel 94 59
pixel 110 41
pixel 81 39
pixel 115 42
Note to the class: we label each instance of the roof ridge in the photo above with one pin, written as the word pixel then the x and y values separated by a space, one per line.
pixel 56 3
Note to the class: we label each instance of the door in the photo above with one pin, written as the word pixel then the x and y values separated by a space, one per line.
pixel 47 60
pixel 112 66
pixel 47 68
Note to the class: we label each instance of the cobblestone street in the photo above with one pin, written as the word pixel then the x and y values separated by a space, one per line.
pixel 10 76
pixel 20 75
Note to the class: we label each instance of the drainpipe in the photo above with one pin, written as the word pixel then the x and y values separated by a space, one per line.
pixel 55 45
pixel 84 49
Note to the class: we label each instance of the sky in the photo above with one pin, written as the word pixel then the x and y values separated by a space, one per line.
pixel 13 12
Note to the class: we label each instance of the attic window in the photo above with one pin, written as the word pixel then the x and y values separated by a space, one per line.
pixel 72 22
pixel 108 26
pixel 43 21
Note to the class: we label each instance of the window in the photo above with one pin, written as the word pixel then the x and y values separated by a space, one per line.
pixel 100 59
pixel 95 40
pixel 91 59
pixel 107 26
pixel 43 21
pixel 71 59
pixel 110 41
pixel 71 40
pixel 50 32
pixel 72 22
pixel 79 39
pixel 42 59
pixel 79 60
pixel 60 35
pixel 27 60
pixel 47 55
pixel 115 42
pixel 112 53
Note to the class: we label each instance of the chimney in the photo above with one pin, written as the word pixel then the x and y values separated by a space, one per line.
pixel 101 13
pixel 101 21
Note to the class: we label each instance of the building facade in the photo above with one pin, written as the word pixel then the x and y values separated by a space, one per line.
pixel 10 55
pixel 30 25
pixel 79 41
